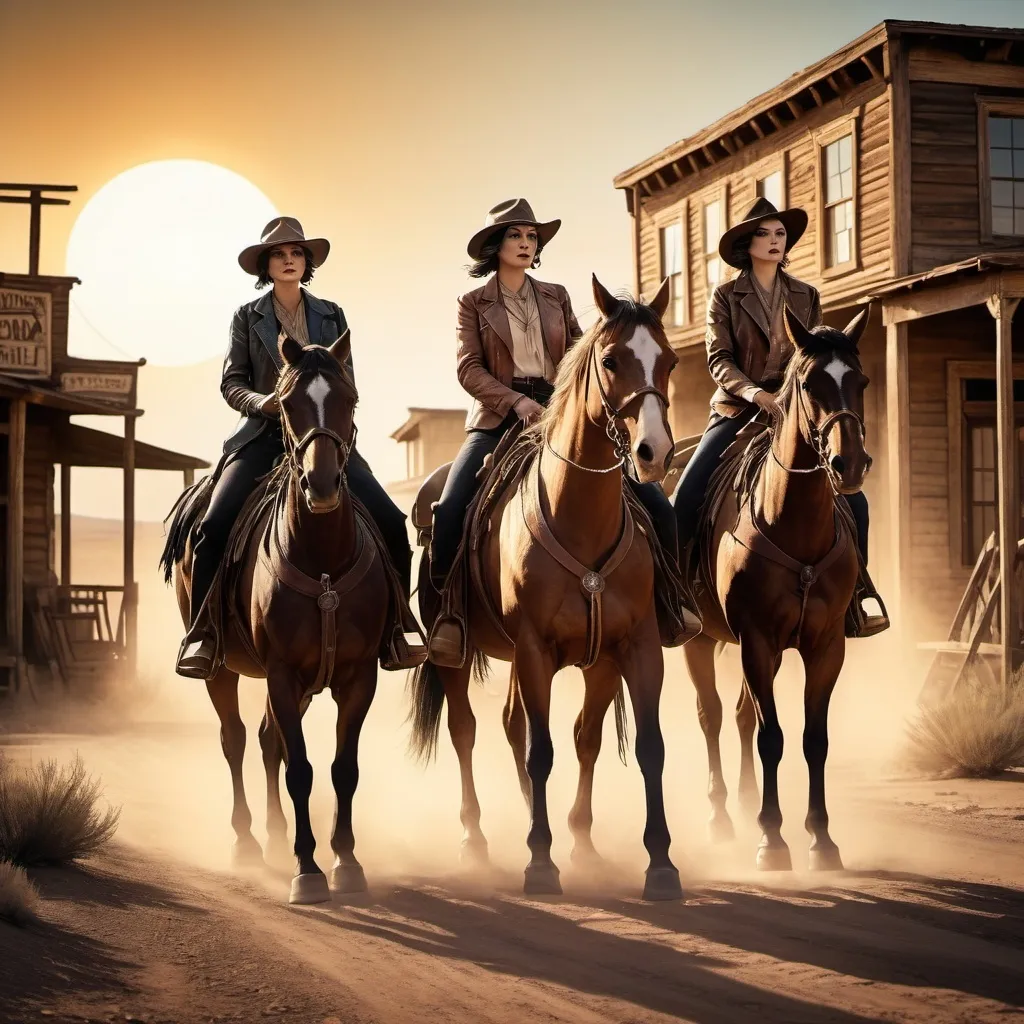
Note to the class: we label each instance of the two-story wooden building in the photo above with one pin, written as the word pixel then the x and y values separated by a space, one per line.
pixel 906 148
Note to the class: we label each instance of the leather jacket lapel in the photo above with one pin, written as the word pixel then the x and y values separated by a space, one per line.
pixel 318 314
pixel 266 327
pixel 552 322
pixel 751 304
pixel 493 311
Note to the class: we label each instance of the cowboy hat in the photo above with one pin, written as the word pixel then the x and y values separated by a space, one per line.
pixel 794 221
pixel 281 231
pixel 512 211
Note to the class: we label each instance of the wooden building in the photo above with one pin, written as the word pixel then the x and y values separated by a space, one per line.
pixel 431 437
pixel 906 147
pixel 49 620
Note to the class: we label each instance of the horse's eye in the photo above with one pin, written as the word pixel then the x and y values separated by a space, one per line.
pixel 608 363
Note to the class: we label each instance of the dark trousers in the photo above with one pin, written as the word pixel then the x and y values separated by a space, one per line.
pixel 693 485
pixel 238 480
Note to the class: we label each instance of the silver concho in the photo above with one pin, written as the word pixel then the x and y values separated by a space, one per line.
pixel 328 601
pixel 593 583
pixel 808 575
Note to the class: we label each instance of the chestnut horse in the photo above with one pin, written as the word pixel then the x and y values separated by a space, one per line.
pixel 316 596
pixel 783 567
pixel 609 403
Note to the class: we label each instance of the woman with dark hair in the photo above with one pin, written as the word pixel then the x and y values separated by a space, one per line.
pixel 748 352
pixel 286 259
pixel 512 334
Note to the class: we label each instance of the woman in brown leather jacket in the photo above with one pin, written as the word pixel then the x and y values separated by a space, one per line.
pixel 512 334
pixel 748 352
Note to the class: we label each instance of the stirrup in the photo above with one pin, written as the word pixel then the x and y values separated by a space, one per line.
pixel 399 654
pixel 197 657
pixel 447 644
pixel 858 624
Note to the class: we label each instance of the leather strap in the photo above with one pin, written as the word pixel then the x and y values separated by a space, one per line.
pixel 592 581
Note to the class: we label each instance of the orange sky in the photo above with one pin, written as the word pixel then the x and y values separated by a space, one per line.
pixel 390 128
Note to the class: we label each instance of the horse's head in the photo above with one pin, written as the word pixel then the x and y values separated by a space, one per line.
pixel 318 400
pixel 631 364
pixel 827 386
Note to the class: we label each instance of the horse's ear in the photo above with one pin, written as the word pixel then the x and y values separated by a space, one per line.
pixel 799 336
pixel 290 349
pixel 855 328
pixel 342 348
pixel 606 302
pixel 660 301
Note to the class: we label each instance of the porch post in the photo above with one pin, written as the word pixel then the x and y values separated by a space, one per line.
pixel 15 536
pixel 130 596
pixel 1002 309
pixel 897 402
pixel 65 524
pixel 189 476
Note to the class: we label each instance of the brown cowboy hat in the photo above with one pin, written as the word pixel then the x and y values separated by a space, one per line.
pixel 512 211
pixel 281 231
pixel 794 221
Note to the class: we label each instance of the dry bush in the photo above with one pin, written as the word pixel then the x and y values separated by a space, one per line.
pixel 977 731
pixel 49 814
pixel 18 896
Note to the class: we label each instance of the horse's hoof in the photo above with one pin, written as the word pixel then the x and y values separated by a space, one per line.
pixel 542 880
pixel 825 857
pixel 720 828
pixel 348 878
pixel 662 884
pixel 310 888
pixel 246 852
pixel 473 853
pixel 774 858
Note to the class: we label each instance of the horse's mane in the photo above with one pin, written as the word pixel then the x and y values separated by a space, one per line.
pixel 572 371
pixel 317 359
pixel 831 341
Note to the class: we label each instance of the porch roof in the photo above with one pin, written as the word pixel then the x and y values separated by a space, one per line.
pixel 83 446
pixel 16 387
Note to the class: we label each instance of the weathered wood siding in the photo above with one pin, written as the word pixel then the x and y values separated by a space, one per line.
pixel 39 510
pixel 945 185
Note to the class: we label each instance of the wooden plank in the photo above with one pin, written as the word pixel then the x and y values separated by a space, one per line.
pixel 758 130
pixel 970 291
pixel 16 419
pixel 65 524
pixel 866 61
pixel 130 599
pixel 897 376
pixel 1002 309
pixel 936 66
pixel 794 108
pixel 775 119
pixel 899 160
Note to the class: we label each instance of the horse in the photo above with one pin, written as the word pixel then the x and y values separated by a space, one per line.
pixel 313 602
pixel 783 564
pixel 563 578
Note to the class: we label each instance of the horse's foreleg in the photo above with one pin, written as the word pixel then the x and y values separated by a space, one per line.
pixel 746 724
pixel 534 667
pixel 643 667
pixel 462 729
pixel 273 754
pixel 602 683
pixel 309 884
pixel 353 703
pixel 513 717
pixel 223 691
pixel 822 667
pixel 759 667
pixel 700 662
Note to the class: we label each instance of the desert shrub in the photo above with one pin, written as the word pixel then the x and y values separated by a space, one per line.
pixel 18 896
pixel 977 731
pixel 49 814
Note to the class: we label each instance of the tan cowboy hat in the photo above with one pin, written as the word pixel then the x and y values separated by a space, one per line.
pixel 794 221
pixel 281 231
pixel 512 211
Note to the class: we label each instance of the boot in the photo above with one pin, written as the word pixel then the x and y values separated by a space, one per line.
pixel 447 644
pixel 198 652
pixel 397 653
pixel 675 630
pixel 859 623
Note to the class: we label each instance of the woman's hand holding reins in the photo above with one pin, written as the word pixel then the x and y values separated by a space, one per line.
pixel 270 407
pixel 767 401
pixel 528 410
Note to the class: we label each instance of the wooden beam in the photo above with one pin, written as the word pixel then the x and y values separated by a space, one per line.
pixel 1000 51
pixel 637 213
pixel 659 177
pixel 775 119
pixel 738 141
pixel 794 108
pixel 817 96
pixel 189 476
pixel 944 298
pixel 847 78
pixel 936 66
pixel 834 85
pixel 897 401
pixel 692 161
pixel 709 156
pixel 647 188
pixel 875 73
pixel 727 145
pixel 65 524
pixel 1003 309
pixel 757 128
pixel 16 534
pixel 130 597
pixel 678 170
pixel 898 92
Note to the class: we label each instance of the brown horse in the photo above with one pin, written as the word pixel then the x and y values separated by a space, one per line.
pixel 783 566
pixel 568 581
pixel 313 598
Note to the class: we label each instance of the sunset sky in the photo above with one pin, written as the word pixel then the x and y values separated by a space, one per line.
pixel 390 128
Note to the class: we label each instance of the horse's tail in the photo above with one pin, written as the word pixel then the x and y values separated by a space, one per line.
pixel 621 723
pixel 481 667
pixel 184 514
pixel 427 703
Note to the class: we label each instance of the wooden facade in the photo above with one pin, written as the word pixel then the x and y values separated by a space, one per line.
pixel 48 619
pixel 901 147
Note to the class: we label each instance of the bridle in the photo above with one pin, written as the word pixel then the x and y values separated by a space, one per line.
pixel 295 447
pixel 613 427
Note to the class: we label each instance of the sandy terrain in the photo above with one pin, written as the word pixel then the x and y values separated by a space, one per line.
pixel 926 923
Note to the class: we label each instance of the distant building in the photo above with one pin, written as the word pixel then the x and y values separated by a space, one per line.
pixel 431 437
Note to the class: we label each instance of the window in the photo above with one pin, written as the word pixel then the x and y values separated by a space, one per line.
pixel 1006 173
pixel 770 188
pixel 672 268
pixel 982 483
pixel 838 194
pixel 713 229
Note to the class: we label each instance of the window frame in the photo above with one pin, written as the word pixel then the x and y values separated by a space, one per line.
pixel 779 163
pixel 720 194
pixel 824 138
pixel 677 214
pixel 990 105
pixel 958 411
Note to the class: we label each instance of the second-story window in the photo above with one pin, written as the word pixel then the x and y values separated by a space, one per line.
pixel 1006 167
pixel 770 187
pixel 838 190
pixel 672 268
pixel 712 234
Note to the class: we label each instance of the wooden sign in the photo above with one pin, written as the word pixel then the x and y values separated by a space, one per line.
pixel 110 387
pixel 26 319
